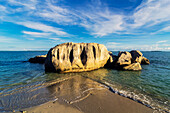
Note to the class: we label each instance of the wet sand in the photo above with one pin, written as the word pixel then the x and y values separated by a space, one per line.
pixel 80 94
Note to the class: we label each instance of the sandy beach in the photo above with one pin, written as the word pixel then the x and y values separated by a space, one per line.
pixel 79 94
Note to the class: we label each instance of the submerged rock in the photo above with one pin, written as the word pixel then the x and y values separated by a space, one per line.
pixel 76 57
pixel 145 61
pixel 133 67
pixel 38 59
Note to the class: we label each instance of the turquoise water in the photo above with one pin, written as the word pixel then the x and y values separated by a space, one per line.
pixel 23 84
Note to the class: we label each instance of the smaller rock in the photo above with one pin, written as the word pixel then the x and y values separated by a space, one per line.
pixel 136 56
pixel 133 67
pixel 145 61
pixel 38 59
pixel 124 58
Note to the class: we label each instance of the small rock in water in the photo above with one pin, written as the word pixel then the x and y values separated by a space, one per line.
pixel 38 59
pixel 145 61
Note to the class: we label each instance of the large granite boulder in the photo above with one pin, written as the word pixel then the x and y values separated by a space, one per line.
pixel 136 56
pixel 38 59
pixel 145 61
pixel 124 58
pixel 76 57
pixel 133 67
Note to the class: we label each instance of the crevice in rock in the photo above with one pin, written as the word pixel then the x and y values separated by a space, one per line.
pixel 94 52
pixel 71 56
pixel 83 56
pixel 58 54
pixel 64 57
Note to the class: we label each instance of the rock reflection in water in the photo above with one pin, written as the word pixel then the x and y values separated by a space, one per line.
pixel 68 87
pixel 97 75
pixel 77 87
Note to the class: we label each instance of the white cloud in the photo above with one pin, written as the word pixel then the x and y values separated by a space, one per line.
pixel 30 38
pixel 162 41
pixel 158 46
pixel 28 4
pixel 166 29
pixel 59 40
pixel 3 11
pixel 112 24
pixel 57 14
pixel 56 39
pixel 98 21
pixel 96 18
pixel 4 39
pixel 43 27
pixel 36 34
pixel 151 13
pixel 113 43
pixel 163 30
pixel 154 47
pixel 166 45
pixel 101 21
pixel 2 8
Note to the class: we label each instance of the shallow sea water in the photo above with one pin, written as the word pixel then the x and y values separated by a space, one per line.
pixel 24 84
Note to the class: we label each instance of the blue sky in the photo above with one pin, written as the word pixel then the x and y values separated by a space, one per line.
pixel 118 24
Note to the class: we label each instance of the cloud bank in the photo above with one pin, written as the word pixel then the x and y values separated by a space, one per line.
pixel 96 17
pixel 47 18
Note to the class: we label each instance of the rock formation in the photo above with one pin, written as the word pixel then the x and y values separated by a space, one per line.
pixel 145 61
pixel 38 59
pixel 128 61
pixel 136 56
pixel 124 58
pixel 76 57
pixel 133 67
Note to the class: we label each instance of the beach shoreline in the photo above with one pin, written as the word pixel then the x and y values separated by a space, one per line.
pixel 88 96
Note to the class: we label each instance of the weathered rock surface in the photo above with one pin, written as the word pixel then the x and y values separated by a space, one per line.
pixel 110 61
pixel 133 67
pixel 38 59
pixel 124 58
pixel 76 57
pixel 145 61
pixel 128 61
pixel 136 56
